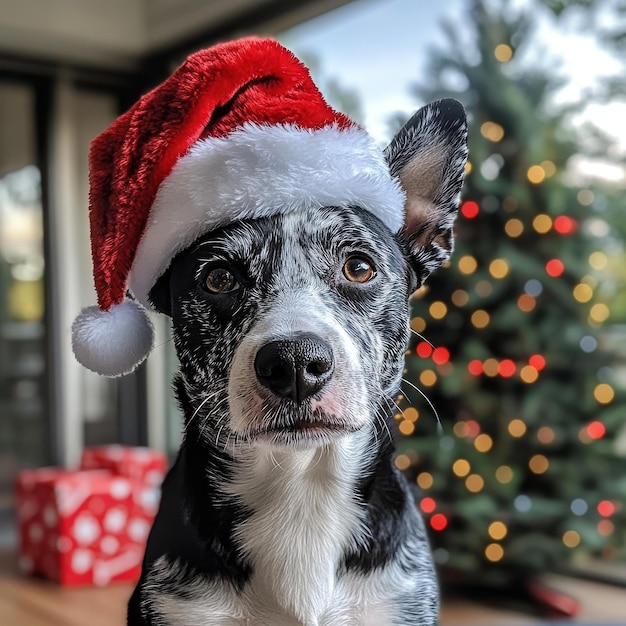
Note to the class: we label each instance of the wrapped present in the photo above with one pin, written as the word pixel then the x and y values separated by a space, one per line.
pixel 89 526
pixel 144 464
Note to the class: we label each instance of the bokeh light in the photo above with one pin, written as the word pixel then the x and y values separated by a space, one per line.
pixel 504 474
pixel 424 480
pixel 542 223
pixel 598 260
pixel 474 483
pixel 494 552
pixel 461 468
pixel 514 227
pixel 441 355
pixel 406 428
pixel 438 521
pixel 507 368
pixel 585 197
pixel 555 268
pixel 571 539
pixel 599 313
pixel 469 209
pixel 475 367
pixel 418 324
pixel 582 293
pixel 529 374
pixel 492 131
pixel 438 310
pixel 517 428
pixel 565 225
pixel 604 393
pixel 467 264
pixel 428 378
pixel 480 318
pixel 606 508
pixel 403 462
pixel 491 367
pixel 411 414
pixel 483 443
pixel 503 52
pixel 428 505
pixel 497 530
pixel 539 464
pixel 498 268
pixel 526 303
pixel 546 435
pixel 459 297
pixel 536 174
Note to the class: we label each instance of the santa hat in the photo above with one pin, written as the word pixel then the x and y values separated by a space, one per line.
pixel 238 131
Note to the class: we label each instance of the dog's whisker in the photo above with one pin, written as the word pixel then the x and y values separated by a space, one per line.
pixel 381 419
pixel 432 406
pixel 432 345
pixel 163 343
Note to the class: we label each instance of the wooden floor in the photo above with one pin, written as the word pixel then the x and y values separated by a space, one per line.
pixel 30 602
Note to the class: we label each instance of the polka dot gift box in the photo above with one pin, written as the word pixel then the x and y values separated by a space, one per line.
pixel 89 526
pixel 137 463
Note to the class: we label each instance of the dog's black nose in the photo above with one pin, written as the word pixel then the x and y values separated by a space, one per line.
pixel 295 368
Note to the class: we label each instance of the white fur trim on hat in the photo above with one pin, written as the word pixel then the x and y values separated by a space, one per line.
pixel 113 342
pixel 258 171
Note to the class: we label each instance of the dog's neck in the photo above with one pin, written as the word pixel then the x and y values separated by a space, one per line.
pixel 296 515
pixel 306 515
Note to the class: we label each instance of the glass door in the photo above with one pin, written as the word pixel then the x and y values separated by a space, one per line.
pixel 24 432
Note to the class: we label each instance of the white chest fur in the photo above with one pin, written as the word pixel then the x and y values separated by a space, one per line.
pixel 304 515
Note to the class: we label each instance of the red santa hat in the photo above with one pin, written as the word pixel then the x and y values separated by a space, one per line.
pixel 238 131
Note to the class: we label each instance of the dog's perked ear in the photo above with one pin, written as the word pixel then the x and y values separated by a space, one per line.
pixel 428 158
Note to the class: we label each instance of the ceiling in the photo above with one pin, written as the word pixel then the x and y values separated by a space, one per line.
pixel 118 33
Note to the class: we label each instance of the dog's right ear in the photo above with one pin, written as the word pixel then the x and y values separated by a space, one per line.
pixel 428 157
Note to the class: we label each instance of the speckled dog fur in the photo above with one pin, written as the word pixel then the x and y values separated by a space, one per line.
pixel 284 513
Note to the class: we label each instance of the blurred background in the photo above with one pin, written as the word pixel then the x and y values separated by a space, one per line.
pixel 513 413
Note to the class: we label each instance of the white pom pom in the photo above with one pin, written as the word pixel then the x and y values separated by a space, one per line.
pixel 113 342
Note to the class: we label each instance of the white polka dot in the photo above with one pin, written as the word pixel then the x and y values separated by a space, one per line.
pixel 138 529
pixel 81 561
pixel 109 545
pixel 35 532
pixel 86 529
pixel 27 509
pixel 154 477
pixel 120 489
pixel 49 516
pixel 149 499
pixel 114 520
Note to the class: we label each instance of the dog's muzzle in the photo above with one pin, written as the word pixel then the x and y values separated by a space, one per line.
pixel 296 367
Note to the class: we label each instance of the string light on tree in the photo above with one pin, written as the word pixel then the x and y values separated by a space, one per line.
pixel 503 52
pixel 542 223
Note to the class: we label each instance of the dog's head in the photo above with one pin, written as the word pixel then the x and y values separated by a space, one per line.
pixel 292 328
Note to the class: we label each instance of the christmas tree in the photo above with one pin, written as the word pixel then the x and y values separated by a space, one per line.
pixel 513 346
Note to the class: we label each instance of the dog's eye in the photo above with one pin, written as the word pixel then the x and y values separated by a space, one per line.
pixel 220 280
pixel 358 269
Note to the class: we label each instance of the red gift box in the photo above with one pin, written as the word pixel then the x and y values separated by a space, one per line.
pixel 138 463
pixel 88 526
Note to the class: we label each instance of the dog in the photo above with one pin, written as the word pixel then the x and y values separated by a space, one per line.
pixel 284 506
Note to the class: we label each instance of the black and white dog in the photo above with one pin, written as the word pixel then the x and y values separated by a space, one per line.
pixel 284 507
